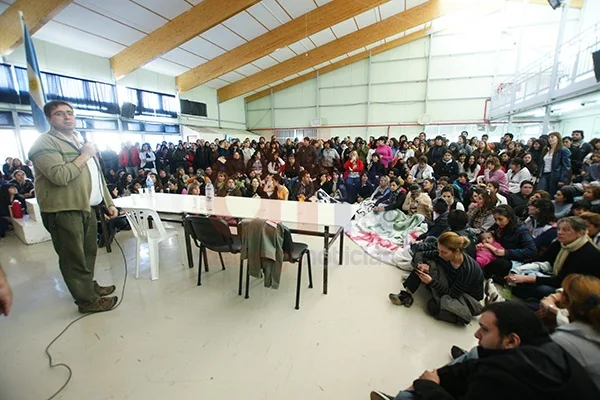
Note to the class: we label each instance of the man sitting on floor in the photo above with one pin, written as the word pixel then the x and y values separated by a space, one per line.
pixel 515 359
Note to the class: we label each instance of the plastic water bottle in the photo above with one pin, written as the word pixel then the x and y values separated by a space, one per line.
pixel 210 196
pixel 149 186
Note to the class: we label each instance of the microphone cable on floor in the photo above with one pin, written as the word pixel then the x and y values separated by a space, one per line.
pixel 64 365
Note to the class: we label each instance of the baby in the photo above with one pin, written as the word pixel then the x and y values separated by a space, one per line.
pixel 484 248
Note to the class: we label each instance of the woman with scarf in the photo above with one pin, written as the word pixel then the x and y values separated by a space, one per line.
pixel 572 253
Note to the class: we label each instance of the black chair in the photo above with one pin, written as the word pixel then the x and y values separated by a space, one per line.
pixel 214 234
pixel 293 252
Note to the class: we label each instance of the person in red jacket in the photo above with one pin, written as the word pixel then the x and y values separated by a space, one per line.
pixel 129 158
pixel 353 167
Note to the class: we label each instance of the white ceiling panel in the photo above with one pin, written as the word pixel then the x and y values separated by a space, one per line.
pixel 323 37
pixel 165 67
pixel 378 43
pixel 203 48
pixel 127 12
pixel 183 57
pixel 223 37
pixel 394 37
pixel 302 46
pixel 414 29
pixel 283 54
pixel 344 27
pixel 340 58
pixel 168 9
pixel 390 8
pixel 260 12
pixel 273 7
pixel 322 2
pixel 279 82
pixel 216 83
pixel 232 76
pixel 306 71
pixel 265 62
pixel 414 3
pixel 367 18
pixel 297 8
pixel 248 69
pixel 3 7
pixel 89 21
pixel 195 2
pixel 263 88
pixel 288 78
pixel 321 65
pixel 357 51
pixel 60 34
pixel 244 25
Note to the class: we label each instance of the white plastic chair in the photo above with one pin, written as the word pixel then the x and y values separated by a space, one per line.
pixel 138 220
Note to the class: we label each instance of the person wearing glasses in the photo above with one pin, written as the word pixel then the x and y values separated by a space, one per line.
pixel 69 183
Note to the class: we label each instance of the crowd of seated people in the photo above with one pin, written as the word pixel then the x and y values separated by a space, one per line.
pixel 525 216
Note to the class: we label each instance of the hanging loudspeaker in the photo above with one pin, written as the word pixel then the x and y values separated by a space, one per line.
pixel 128 110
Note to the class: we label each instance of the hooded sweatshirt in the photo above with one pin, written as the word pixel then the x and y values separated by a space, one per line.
pixel 541 372
pixel 582 342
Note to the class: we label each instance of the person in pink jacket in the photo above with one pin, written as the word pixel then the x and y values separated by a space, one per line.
pixel 484 254
pixel 384 151
pixel 494 173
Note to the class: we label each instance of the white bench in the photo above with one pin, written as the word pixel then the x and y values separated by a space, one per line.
pixel 30 228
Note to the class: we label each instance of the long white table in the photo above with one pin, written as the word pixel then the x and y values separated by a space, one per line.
pixel 308 217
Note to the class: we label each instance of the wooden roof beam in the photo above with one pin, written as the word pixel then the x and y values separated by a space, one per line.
pixel 342 63
pixel 176 32
pixel 399 23
pixel 36 13
pixel 312 22
pixel 474 12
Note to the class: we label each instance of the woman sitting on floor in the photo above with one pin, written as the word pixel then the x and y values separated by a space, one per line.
pixel 572 253
pixel 455 280
pixel 518 245
pixel 579 335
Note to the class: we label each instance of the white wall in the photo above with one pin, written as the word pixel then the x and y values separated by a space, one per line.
pixel 466 65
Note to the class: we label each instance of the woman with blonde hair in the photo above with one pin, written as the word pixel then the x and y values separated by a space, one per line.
pixel 580 337
pixel 455 280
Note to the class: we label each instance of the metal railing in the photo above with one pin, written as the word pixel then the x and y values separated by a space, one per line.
pixel 533 86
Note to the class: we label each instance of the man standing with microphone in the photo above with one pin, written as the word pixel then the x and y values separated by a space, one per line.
pixel 68 184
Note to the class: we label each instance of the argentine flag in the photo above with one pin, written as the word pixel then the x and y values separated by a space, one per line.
pixel 36 92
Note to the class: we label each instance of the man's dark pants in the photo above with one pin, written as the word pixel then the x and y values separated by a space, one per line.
pixel 74 235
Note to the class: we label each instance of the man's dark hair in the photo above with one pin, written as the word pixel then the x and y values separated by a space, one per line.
pixel 582 205
pixel 423 159
pixel 53 105
pixel 510 135
pixel 440 205
pixel 457 220
pixel 463 175
pixel 526 183
pixel 439 138
pixel 580 131
pixel 518 162
pixel 515 317
pixel 568 138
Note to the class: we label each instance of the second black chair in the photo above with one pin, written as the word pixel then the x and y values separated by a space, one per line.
pixel 212 233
